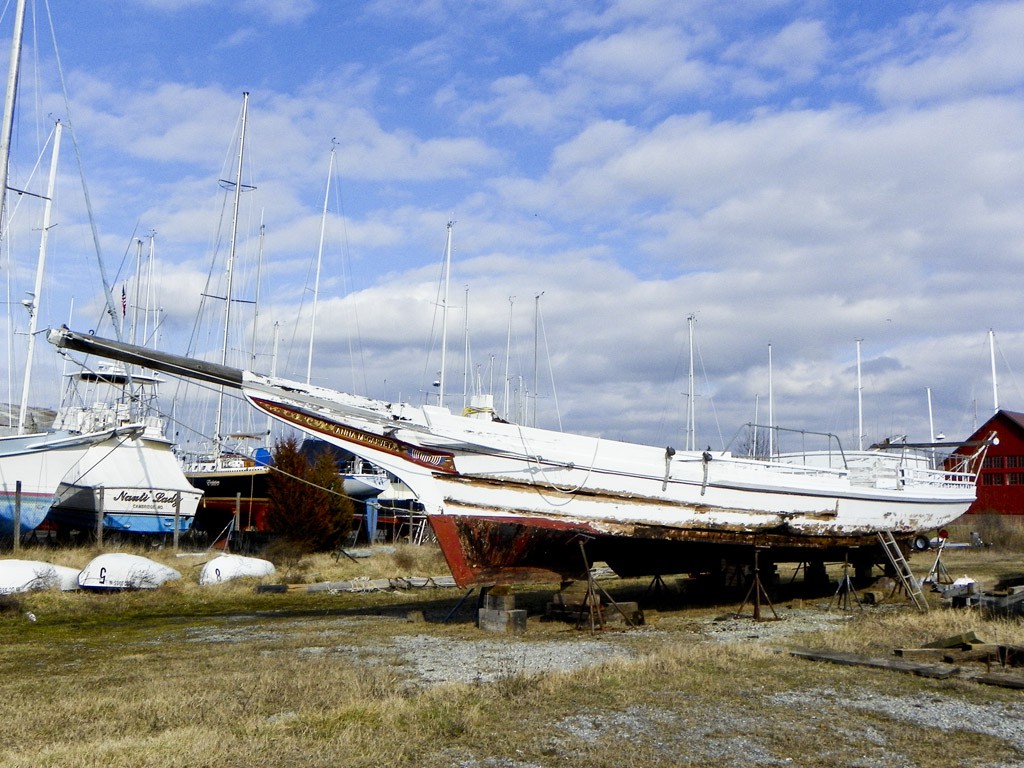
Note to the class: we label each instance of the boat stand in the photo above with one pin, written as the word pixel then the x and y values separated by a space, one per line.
pixel 592 599
pixel 757 592
pixel 658 590
pixel 846 589
pixel 938 574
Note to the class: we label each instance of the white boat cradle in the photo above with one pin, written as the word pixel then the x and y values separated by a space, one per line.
pixel 119 570
pixel 513 503
pixel 228 567
pixel 35 575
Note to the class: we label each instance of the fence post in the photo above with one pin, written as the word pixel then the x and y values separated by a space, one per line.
pixel 17 516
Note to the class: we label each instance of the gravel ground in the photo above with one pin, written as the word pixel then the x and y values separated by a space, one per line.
pixel 724 737
pixel 684 727
pixel 435 659
pixel 447 660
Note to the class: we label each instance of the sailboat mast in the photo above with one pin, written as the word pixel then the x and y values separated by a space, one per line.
pixel 931 421
pixel 256 301
pixel 691 411
pixel 136 299
pixel 995 385
pixel 33 306
pixel 12 91
pixel 860 404
pixel 150 295
pixel 273 370
pixel 771 409
pixel 536 348
pixel 465 355
pixel 508 351
pixel 319 259
pixel 230 268
pixel 444 312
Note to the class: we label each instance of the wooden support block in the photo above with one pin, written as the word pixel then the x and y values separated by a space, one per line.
pixel 500 602
pixel 964 639
pixel 491 620
pixel 633 615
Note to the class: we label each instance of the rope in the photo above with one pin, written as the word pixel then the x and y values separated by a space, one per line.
pixel 529 460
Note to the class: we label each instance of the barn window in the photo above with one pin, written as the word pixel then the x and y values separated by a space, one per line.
pixel 1015 478
pixel 993 478
pixel 993 462
pixel 1014 462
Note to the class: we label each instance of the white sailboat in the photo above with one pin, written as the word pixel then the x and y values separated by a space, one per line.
pixel 509 502
pixel 138 484
pixel 234 483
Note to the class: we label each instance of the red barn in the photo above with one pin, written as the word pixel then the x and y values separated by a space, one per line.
pixel 1001 479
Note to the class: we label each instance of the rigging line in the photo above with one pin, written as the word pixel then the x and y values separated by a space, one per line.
pixel 122 439
pixel 533 460
pixel 348 286
pixel 711 400
pixel 1006 362
pixel 426 380
pixel 108 298
pixel 551 372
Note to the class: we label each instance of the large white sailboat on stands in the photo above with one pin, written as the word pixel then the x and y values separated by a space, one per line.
pixel 512 503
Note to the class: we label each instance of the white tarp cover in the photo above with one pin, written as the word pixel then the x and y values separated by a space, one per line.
pixel 117 570
pixel 33 575
pixel 227 567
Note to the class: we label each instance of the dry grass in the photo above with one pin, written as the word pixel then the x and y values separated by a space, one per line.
pixel 191 676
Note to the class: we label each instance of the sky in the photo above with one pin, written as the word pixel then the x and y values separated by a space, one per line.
pixel 803 179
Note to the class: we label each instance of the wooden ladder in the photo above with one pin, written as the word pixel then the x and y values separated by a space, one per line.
pixel 903 572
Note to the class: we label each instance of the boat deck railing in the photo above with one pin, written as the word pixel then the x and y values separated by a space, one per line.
pixel 893 463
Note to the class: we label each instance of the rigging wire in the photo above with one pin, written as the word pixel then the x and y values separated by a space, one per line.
pixel 108 296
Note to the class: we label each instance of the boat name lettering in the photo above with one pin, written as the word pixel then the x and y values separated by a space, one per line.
pixel 441 461
pixel 160 497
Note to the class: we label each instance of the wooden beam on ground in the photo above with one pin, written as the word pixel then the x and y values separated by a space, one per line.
pixel 935 671
pixel 1001 679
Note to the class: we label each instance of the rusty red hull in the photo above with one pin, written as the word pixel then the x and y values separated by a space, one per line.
pixel 508 550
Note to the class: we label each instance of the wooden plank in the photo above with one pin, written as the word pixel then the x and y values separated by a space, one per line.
pixel 928 654
pixel 935 671
pixel 980 653
pixel 1001 679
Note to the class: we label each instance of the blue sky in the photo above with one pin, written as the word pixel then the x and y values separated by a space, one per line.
pixel 799 174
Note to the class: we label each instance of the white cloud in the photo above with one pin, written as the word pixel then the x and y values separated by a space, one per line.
pixel 634 161
pixel 967 52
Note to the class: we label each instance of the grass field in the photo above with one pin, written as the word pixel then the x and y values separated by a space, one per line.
pixel 225 676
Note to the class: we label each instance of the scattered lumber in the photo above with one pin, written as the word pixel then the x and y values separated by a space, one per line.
pixel 940 659
pixel 935 671
pixel 962 640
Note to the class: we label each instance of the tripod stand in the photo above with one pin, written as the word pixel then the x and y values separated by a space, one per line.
pixel 757 591
pixel 845 590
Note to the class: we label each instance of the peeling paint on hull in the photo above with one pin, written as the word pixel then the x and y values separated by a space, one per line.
pixel 508 550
